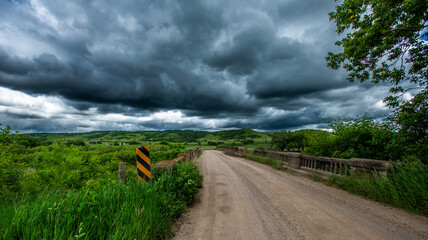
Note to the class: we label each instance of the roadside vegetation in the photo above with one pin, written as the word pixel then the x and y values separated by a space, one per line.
pixel 274 163
pixel 356 138
pixel 69 190
pixel 406 186
pixel 62 166
pixel 115 211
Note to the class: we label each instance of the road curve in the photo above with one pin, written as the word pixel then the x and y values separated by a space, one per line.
pixel 242 199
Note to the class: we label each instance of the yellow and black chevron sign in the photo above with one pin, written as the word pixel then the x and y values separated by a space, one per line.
pixel 143 163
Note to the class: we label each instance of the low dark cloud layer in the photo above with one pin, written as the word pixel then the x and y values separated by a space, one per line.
pixel 214 64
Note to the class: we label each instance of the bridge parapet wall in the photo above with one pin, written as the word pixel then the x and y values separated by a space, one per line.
pixel 324 165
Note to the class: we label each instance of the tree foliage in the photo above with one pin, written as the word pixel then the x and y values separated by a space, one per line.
pixel 289 140
pixel 27 141
pixel 321 143
pixel 365 138
pixel 383 41
pixel 5 135
pixel 386 41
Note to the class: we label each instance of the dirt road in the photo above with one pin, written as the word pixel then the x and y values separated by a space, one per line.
pixel 242 199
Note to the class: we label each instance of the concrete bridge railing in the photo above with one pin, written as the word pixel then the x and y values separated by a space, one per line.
pixel 306 164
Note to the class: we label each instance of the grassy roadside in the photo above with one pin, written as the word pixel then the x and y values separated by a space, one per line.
pixel 274 163
pixel 131 211
pixel 405 187
pixel 200 151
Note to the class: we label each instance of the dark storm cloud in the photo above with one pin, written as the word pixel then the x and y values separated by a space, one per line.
pixel 246 51
pixel 292 77
pixel 209 59
pixel 13 65
pixel 308 11
pixel 292 120
pixel 23 115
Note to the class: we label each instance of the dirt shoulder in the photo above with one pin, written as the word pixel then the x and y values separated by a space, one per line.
pixel 242 199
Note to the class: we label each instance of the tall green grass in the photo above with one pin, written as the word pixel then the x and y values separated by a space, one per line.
pixel 131 211
pixel 274 163
pixel 406 186
pixel 119 212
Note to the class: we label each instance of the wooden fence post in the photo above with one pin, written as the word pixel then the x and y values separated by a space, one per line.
pixel 122 168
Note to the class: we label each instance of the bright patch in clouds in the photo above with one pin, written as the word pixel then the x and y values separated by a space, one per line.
pixel 21 103
pixel 55 108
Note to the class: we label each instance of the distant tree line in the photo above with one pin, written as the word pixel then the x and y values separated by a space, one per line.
pixel 212 143
pixel 288 140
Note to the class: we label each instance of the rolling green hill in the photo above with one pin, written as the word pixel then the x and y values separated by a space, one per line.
pixel 186 136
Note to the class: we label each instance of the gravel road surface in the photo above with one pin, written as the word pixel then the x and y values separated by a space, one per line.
pixel 242 199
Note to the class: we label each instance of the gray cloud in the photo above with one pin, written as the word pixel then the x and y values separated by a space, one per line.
pixel 214 60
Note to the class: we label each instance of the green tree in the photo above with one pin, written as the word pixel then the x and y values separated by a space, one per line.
pixel 280 139
pixel 364 138
pixel 299 140
pixel 320 143
pixel 75 143
pixel 27 141
pixel 386 41
pixel 289 140
pixel 5 135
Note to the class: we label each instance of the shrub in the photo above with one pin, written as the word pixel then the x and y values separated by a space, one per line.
pixel 184 181
pixel 76 143
pixel 10 175
pixel 27 141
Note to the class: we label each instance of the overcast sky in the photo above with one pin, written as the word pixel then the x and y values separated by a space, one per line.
pixel 77 66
